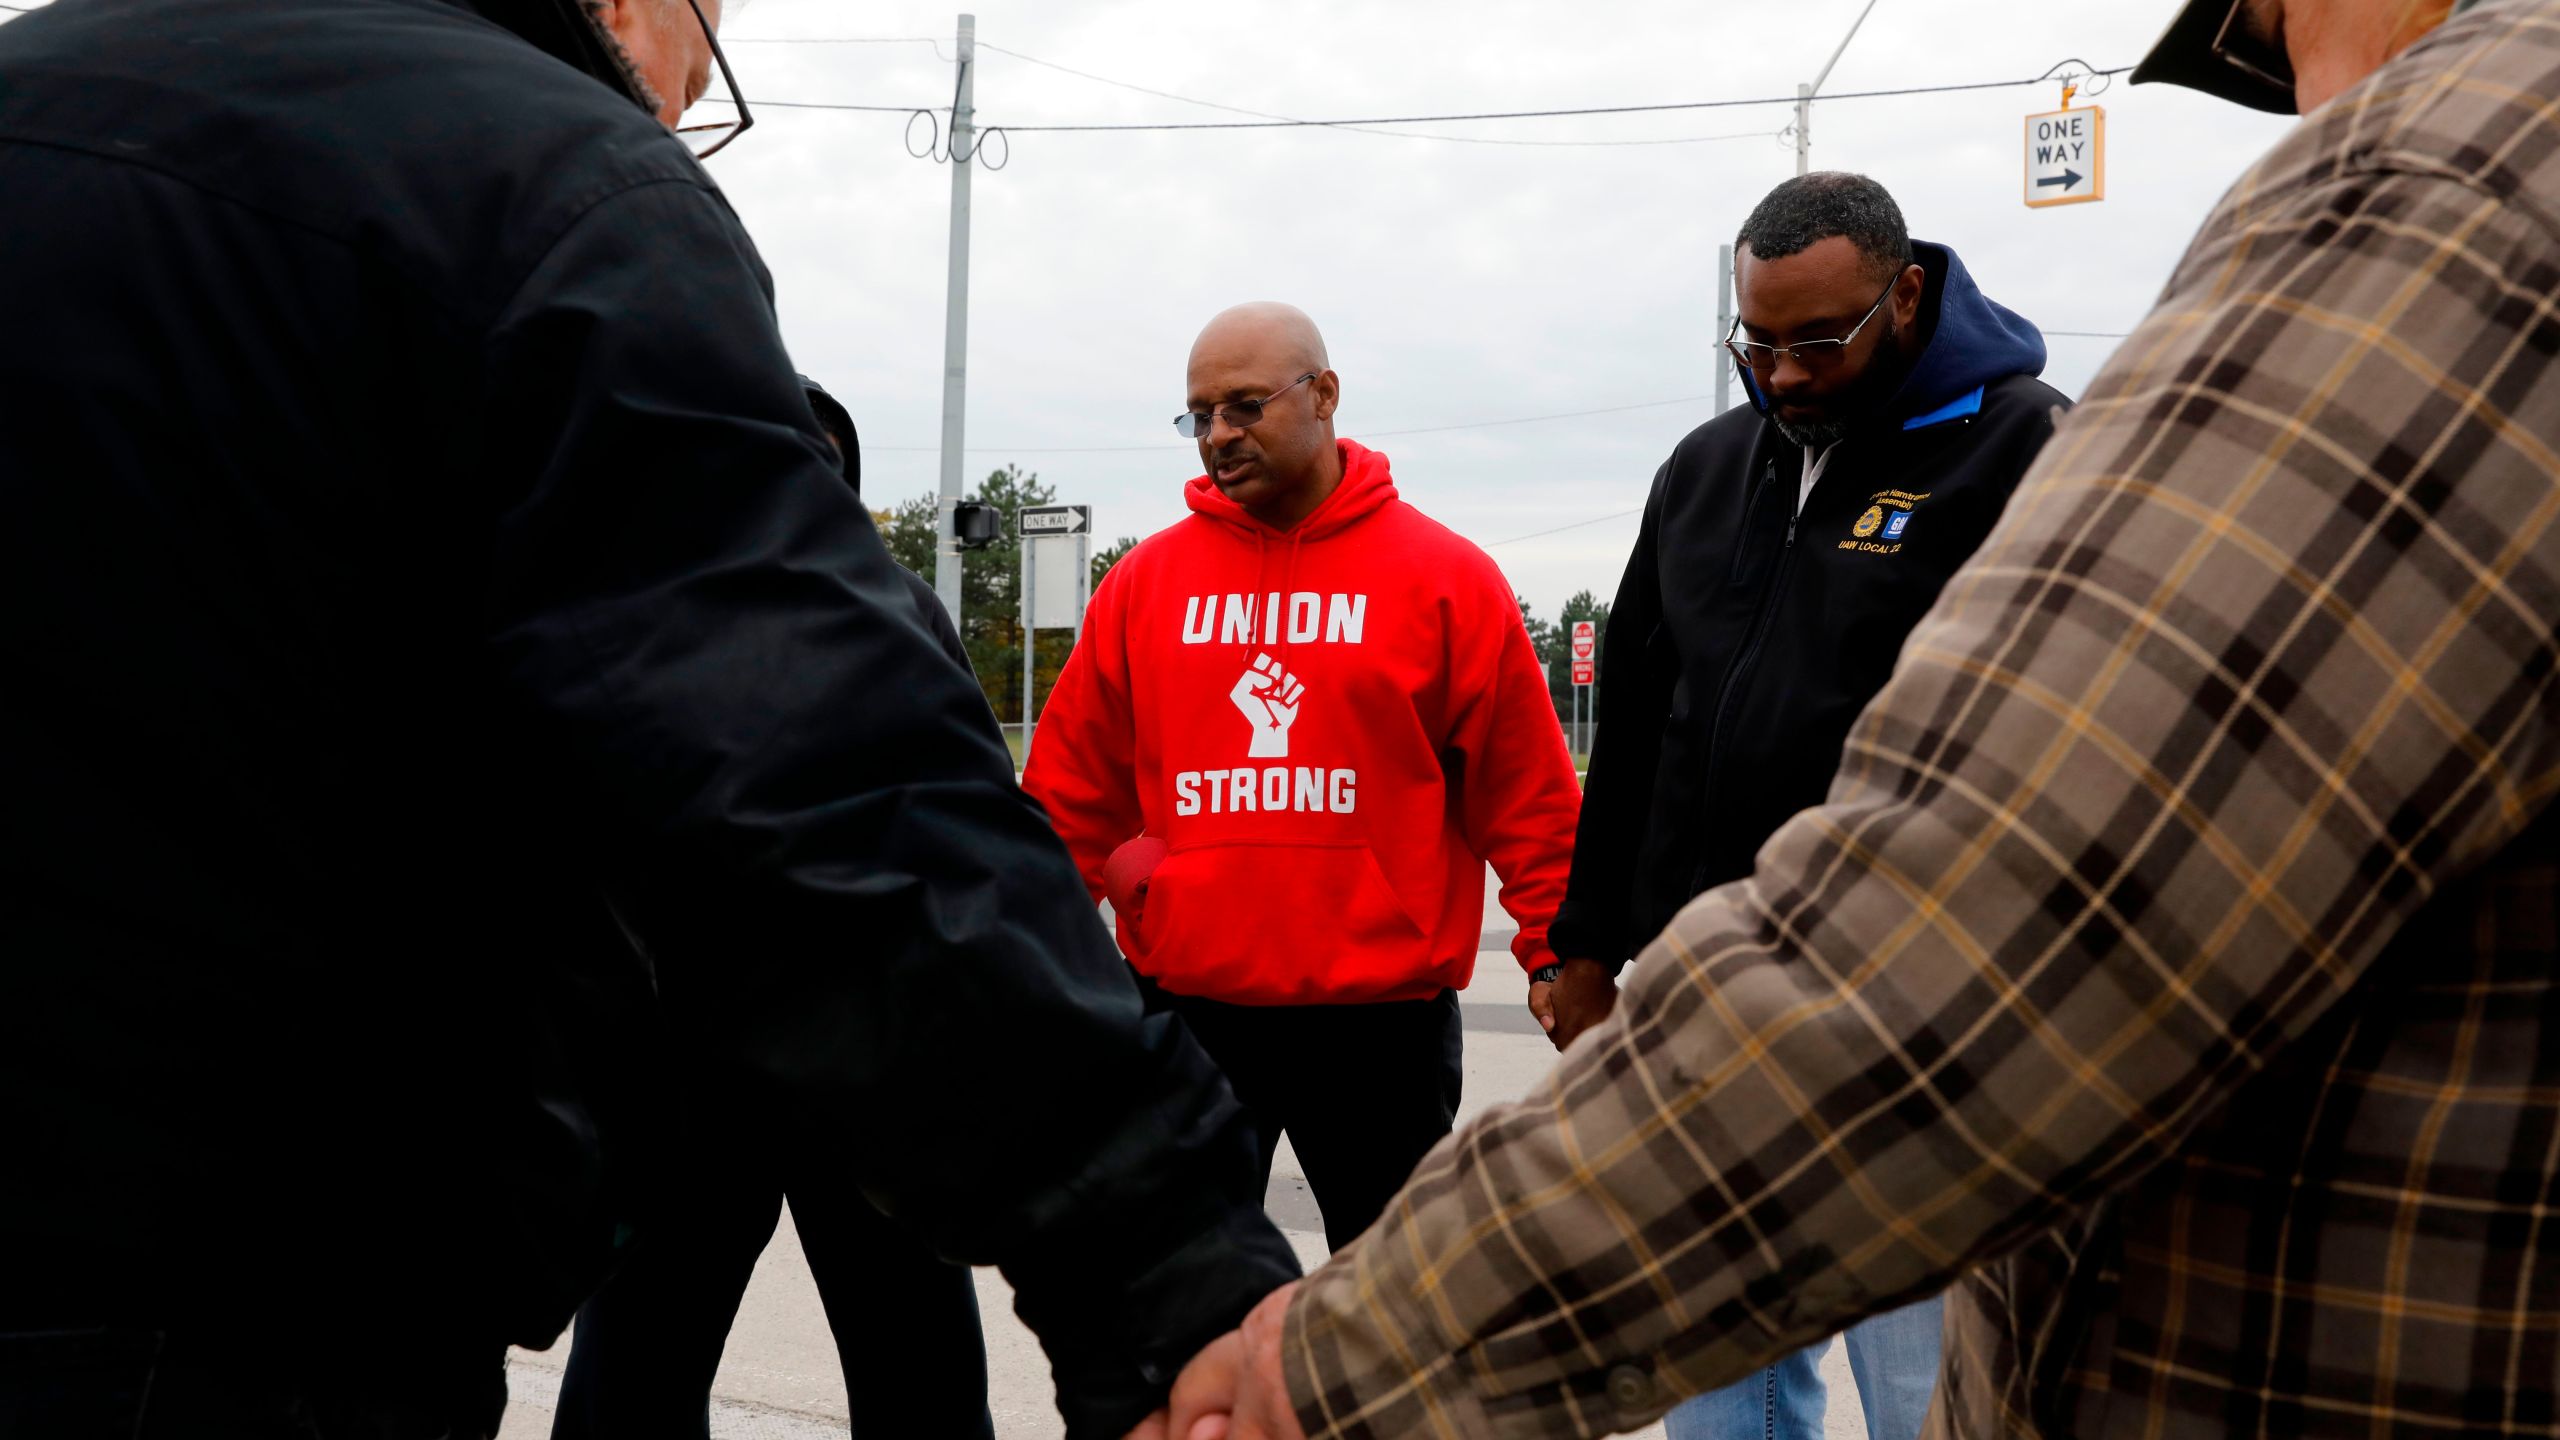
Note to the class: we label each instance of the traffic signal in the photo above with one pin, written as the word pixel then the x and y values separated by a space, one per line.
pixel 974 524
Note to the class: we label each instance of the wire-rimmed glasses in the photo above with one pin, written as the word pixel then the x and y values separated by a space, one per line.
pixel 723 131
pixel 1811 354
pixel 1238 413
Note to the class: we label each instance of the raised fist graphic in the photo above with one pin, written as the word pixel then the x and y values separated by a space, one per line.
pixel 1268 696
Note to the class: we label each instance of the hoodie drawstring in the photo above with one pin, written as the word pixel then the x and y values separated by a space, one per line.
pixel 1270 614
pixel 1257 619
pixel 1288 588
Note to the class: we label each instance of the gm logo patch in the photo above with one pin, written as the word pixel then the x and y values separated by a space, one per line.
pixel 1879 530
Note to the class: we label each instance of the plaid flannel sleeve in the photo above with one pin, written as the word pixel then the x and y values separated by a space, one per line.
pixel 2259 658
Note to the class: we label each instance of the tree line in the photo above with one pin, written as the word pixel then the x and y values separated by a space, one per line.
pixel 991 584
pixel 1554 644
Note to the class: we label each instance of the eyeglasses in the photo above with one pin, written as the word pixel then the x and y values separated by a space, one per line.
pixel 1811 354
pixel 723 131
pixel 2239 45
pixel 1239 413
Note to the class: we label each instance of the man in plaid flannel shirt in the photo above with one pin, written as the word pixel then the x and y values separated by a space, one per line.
pixel 2171 969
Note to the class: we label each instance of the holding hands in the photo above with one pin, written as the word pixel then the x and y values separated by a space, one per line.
pixel 1233 1390
pixel 1581 996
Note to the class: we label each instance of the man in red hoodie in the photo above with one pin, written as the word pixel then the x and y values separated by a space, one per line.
pixel 1324 709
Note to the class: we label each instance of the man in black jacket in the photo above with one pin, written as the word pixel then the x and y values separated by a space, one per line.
pixel 438 656
pixel 648 1344
pixel 1786 551
pixel 845 442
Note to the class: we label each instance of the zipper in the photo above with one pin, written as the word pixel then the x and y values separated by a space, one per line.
pixel 1742 663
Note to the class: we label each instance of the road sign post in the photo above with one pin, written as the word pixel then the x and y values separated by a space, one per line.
pixel 1586 670
pixel 1057 571
pixel 2066 157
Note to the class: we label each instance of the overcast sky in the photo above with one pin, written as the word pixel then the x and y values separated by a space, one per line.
pixel 1456 283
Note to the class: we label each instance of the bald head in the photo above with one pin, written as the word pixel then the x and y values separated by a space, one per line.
pixel 1263 330
pixel 1281 466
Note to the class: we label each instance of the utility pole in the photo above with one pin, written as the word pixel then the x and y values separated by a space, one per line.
pixel 1804 127
pixel 955 327
pixel 1724 327
pixel 1805 94
pixel 1030 644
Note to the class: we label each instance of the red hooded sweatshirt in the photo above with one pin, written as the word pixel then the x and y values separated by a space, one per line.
pixel 1332 729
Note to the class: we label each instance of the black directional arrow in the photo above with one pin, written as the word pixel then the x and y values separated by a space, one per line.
pixel 2066 179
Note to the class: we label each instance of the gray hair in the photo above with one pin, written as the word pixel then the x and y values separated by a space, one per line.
pixel 1810 209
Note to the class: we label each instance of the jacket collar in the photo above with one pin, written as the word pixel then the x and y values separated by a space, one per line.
pixel 566 31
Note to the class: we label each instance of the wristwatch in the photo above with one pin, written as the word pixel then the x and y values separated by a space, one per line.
pixel 1546 974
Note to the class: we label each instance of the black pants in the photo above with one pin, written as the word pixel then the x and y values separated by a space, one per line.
pixel 1362 1091
pixel 142 1385
pixel 648 1343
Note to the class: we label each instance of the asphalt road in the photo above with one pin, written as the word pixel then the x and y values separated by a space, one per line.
pixel 779 1379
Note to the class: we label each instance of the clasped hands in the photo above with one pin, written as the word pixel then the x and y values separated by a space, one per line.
pixel 1573 1002
pixel 1233 1390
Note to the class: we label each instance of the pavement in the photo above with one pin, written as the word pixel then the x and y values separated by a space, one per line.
pixel 779 1379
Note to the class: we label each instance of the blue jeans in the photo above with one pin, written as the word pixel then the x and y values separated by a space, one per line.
pixel 1894 1357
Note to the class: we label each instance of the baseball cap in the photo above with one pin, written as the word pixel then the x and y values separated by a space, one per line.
pixel 2217 47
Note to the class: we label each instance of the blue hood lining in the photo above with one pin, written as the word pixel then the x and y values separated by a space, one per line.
pixel 1973 341
pixel 1962 407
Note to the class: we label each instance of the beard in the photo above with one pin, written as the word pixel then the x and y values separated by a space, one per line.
pixel 621 57
pixel 1817 437
pixel 1852 408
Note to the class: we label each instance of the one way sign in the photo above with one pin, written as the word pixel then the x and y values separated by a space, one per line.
pixel 2067 157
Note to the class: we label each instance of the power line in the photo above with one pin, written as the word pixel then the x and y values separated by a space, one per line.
pixel 1126 85
pixel 871 449
pixel 1576 144
pixel 1352 129
pixel 1559 415
pixel 1285 123
pixel 814 105
pixel 1560 529
pixel 833 40
pixel 1567 144
pixel 926 40
pixel 1543 114
pixel 1372 434
pixel 1409 430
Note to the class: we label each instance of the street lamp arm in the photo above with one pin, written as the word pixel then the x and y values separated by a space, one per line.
pixel 1843 50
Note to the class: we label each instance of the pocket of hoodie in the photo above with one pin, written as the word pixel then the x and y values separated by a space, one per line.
pixel 1275 922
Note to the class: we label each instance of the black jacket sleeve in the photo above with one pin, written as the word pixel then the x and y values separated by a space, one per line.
pixel 937 620
pixel 1634 694
pixel 808 820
